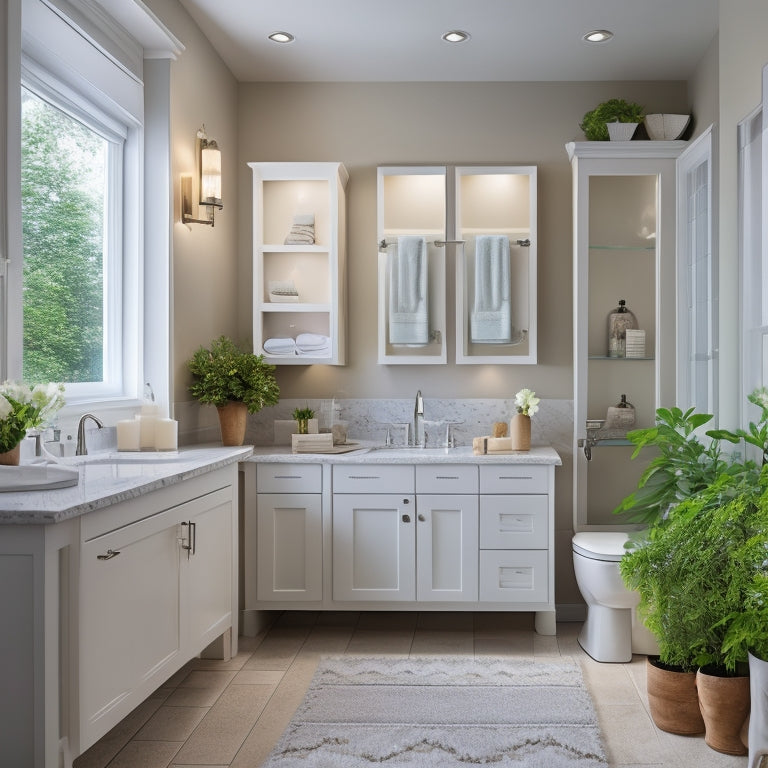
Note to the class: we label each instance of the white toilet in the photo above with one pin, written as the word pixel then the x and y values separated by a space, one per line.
pixel 612 631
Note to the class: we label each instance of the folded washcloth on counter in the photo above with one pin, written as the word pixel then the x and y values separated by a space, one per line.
pixel 284 347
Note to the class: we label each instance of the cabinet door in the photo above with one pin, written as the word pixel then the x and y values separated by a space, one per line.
pixel 129 614
pixel 374 553
pixel 446 547
pixel 206 574
pixel 289 553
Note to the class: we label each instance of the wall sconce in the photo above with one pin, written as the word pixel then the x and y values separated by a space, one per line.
pixel 209 165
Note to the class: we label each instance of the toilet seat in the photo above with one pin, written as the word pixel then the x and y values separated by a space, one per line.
pixel 606 546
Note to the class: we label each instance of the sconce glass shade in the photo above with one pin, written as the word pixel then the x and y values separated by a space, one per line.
pixel 210 173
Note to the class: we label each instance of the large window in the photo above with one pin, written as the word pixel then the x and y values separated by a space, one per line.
pixel 70 180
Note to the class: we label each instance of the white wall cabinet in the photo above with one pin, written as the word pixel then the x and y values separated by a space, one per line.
pixel 624 248
pixel 483 219
pixel 299 287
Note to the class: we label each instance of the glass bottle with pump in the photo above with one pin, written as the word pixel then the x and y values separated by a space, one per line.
pixel 619 320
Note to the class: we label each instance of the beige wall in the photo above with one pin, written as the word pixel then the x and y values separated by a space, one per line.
pixel 743 53
pixel 703 90
pixel 204 278
pixel 366 125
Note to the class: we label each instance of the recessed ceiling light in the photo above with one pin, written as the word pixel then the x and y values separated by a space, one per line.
pixel 456 36
pixel 281 37
pixel 598 36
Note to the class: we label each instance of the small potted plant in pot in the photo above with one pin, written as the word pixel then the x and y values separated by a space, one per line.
pixel 615 119
pixel 302 416
pixel 237 382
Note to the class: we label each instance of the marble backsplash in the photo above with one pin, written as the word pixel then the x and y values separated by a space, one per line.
pixel 371 419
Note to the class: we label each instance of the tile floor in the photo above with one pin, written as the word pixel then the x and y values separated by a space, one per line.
pixel 213 714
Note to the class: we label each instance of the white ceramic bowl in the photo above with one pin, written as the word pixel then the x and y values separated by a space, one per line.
pixel 666 127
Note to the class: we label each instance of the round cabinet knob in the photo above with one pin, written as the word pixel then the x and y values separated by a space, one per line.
pixel 422 518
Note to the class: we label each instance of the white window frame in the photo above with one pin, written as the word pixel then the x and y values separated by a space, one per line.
pixel 126 59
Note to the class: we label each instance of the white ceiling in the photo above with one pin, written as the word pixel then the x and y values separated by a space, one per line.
pixel 400 40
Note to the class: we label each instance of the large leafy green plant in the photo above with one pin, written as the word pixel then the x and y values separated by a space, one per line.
pixel 683 465
pixel 700 575
pixel 226 373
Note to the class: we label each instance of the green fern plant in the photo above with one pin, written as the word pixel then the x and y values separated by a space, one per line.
pixel 612 111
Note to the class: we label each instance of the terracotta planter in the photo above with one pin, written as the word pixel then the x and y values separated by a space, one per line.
pixel 232 418
pixel 520 432
pixel 11 458
pixel 724 703
pixel 673 699
pixel 758 722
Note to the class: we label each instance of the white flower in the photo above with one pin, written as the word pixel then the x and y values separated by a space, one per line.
pixel 526 402
pixel 5 408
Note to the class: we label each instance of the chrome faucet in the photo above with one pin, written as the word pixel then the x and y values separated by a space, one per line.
pixel 81 449
pixel 418 421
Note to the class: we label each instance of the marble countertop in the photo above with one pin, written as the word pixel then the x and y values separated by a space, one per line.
pixel 112 477
pixel 369 454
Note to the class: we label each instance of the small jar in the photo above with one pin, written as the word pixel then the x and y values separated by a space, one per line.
pixel 619 320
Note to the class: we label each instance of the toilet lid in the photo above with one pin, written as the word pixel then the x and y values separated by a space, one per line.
pixel 600 545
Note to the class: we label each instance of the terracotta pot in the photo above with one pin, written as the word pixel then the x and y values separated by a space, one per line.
pixel 673 699
pixel 11 458
pixel 232 418
pixel 724 703
pixel 520 432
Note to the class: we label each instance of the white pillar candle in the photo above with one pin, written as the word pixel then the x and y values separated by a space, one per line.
pixel 166 435
pixel 147 420
pixel 128 435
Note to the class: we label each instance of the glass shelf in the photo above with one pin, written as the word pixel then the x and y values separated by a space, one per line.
pixel 643 248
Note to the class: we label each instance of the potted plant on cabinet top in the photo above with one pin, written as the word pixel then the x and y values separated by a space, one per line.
pixel 624 115
pixel 237 382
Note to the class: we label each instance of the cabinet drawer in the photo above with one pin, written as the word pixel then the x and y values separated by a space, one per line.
pixel 513 522
pixel 289 478
pixel 513 576
pixel 511 478
pixel 446 478
pixel 373 478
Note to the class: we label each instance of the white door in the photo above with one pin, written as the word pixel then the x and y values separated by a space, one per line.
pixel 289 555
pixel 206 573
pixel 374 547
pixel 446 547
pixel 129 617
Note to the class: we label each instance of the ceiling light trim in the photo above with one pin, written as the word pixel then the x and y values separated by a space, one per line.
pixel 456 36
pixel 281 37
pixel 598 36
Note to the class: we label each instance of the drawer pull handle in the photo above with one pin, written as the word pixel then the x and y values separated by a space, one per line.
pixel 289 477
pixel 364 477
pixel 515 477
pixel 446 477
pixel 191 544
pixel 110 554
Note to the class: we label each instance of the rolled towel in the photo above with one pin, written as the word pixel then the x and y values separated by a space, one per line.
pixel 316 352
pixel 310 341
pixel 280 346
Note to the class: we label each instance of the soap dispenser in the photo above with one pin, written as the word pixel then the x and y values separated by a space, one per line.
pixel 621 415
pixel 619 320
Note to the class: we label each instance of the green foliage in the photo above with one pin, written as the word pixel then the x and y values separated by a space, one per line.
pixel 612 111
pixel 682 467
pixel 225 372
pixel 700 570
pixel 301 414
pixel 62 195
pixel 757 434
pixel 746 628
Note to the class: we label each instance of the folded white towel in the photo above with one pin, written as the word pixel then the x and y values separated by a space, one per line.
pixel 312 340
pixel 407 272
pixel 491 317
pixel 302 231
pixel 280 346
pixel 315 352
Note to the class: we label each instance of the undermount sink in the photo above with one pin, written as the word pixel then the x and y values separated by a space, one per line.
pixel 37 477
pixel 415 451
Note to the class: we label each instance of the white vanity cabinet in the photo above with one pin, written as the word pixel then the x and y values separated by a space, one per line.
pixel 153 593
pixel 288 532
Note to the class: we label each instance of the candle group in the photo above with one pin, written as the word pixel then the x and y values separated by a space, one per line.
pixel 148 432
